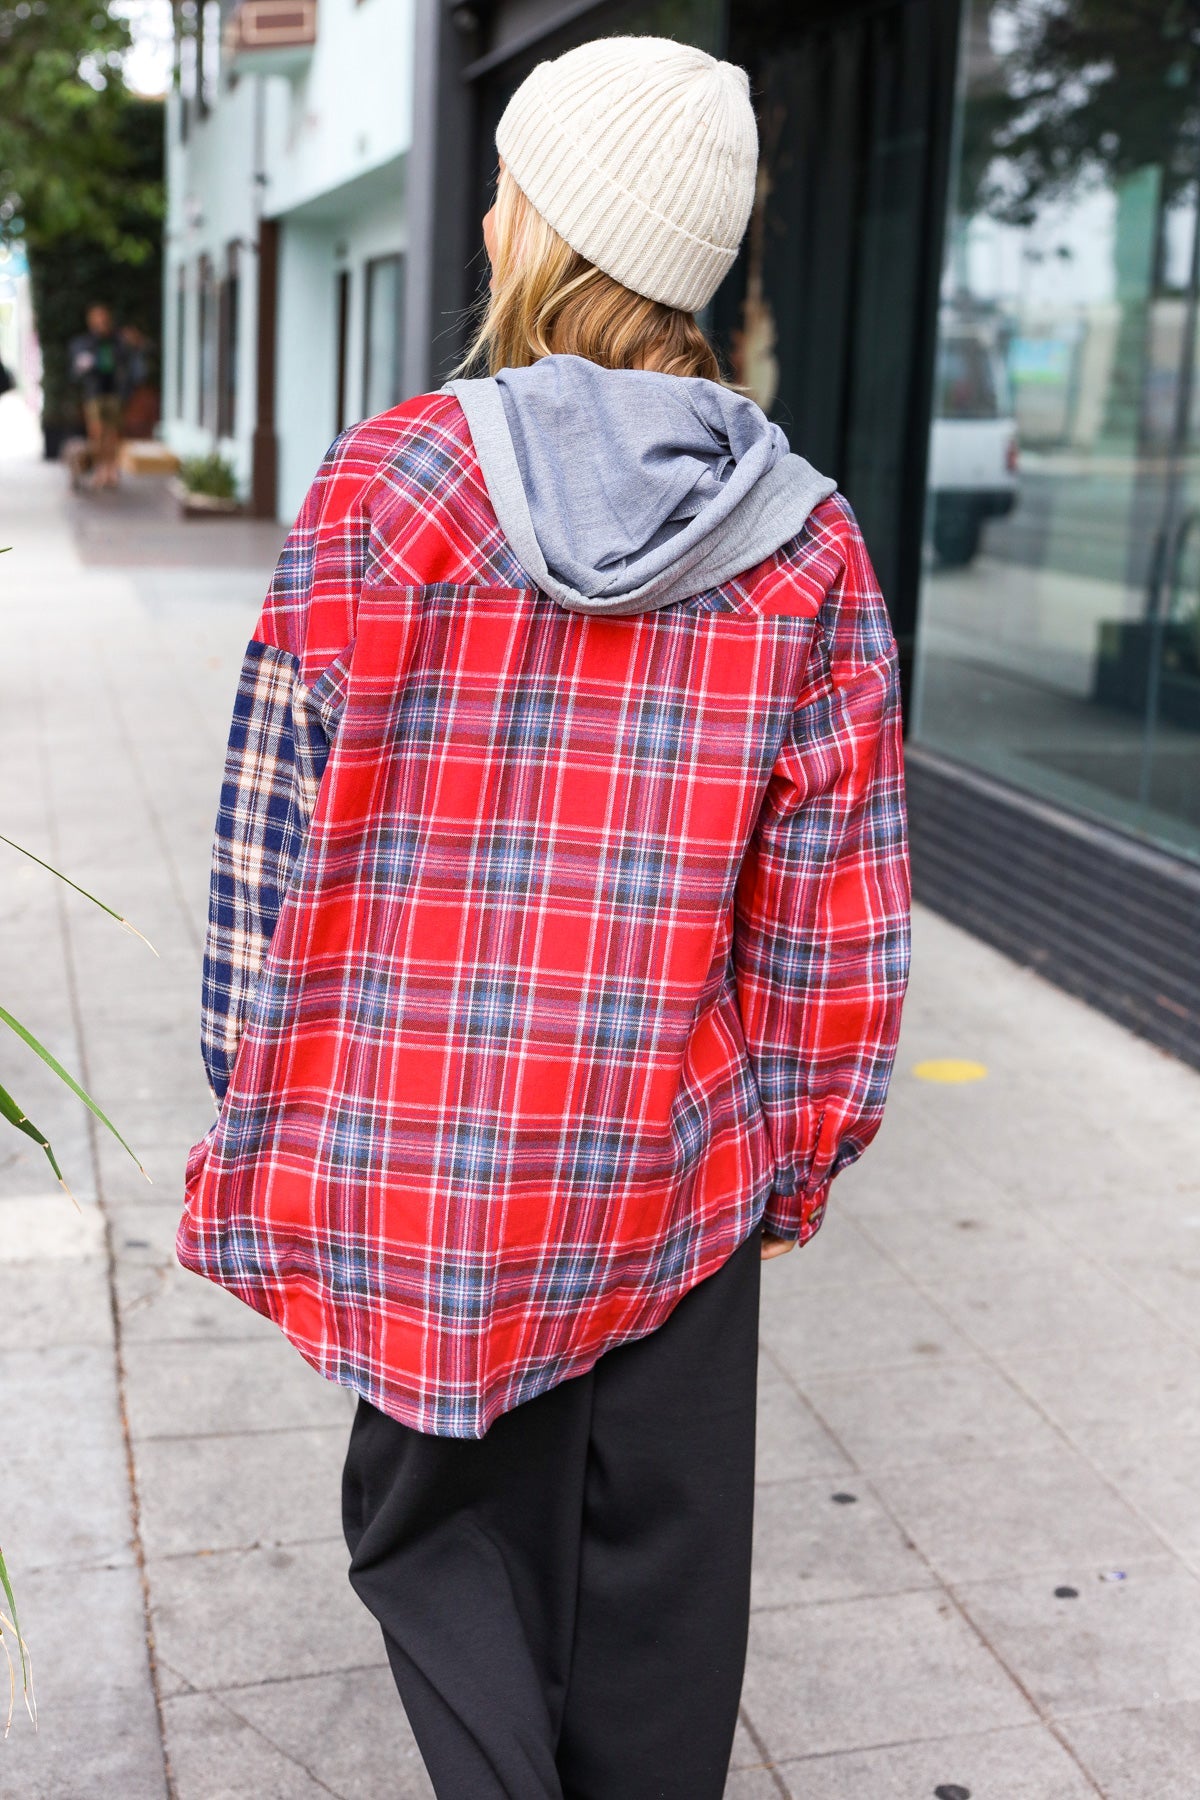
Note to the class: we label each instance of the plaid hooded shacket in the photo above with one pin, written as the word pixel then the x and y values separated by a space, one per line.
pixel 546 953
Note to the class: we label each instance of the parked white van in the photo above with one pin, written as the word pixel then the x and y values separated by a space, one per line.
pixel 973 449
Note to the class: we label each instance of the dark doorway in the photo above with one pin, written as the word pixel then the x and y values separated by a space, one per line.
pixel 342 280
pixel 228 323
pixel 831 313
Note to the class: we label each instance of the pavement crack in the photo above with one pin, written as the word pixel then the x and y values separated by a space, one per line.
pixel 220 1696
pixel 71 974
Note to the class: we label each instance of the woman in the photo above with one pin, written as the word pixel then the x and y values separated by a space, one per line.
pixel 556 951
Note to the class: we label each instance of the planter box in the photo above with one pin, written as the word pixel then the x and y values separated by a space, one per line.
pixel 202 506
pixel 146 456
pixel 1123 670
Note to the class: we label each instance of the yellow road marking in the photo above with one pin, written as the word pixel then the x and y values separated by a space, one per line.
pixel 949 1069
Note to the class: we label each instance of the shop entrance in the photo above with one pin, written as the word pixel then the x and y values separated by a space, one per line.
pixel 830 317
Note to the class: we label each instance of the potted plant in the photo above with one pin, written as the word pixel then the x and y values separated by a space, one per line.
pixel 206 486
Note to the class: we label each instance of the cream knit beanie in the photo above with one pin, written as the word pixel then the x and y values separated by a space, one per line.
pixel 641 153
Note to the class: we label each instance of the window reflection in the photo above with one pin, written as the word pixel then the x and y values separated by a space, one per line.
pixel 383 334
pixel 1059 644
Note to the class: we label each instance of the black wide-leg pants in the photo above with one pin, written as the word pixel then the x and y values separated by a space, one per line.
pixel 565 1600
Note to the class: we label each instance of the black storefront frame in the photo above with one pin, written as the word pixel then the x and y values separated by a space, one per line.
pixel 1098 913
pixel 453 158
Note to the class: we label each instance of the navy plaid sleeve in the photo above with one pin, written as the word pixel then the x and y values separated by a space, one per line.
pixel 278 746
pixel 821 940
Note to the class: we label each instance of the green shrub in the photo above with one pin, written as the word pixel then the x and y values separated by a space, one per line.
pixel 212 475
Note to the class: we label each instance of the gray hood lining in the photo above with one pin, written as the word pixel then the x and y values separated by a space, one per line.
pixel 768 516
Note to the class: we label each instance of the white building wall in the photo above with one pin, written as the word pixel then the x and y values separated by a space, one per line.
pixel 352 227
pixel 351 110
pixel 322 151
pixel 306 358
pixel 211 202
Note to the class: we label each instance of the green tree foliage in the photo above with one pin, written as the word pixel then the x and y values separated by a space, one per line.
pixel 81 177
pixel 72 269
pixel 61 97
pixel 1084 89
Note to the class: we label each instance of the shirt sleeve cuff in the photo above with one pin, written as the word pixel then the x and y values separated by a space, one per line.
pixel 796 1217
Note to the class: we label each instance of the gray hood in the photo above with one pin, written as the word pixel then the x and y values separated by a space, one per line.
pixel 622 490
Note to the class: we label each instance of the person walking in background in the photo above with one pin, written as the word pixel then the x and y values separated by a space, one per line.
pixel 99 363
pixel 557 941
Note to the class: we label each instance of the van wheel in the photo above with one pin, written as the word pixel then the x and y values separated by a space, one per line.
pixel 956 534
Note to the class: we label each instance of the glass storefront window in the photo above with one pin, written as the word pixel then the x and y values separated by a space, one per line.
pixel 1059 626
pixel 383 334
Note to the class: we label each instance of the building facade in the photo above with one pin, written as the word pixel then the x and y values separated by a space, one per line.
pixel 970 292
pixel 289 130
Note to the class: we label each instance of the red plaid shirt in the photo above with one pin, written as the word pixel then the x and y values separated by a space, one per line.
pixel 547 953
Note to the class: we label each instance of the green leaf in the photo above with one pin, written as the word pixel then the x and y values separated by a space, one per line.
pixel 111 911
pixel 52 1062
pixel 6 1584
pixel 10 1110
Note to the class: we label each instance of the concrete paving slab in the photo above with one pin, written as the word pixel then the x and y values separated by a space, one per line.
pixel 746 1753
pixel 1160 1476
pixel 1050 1511
pixel 1169 1287
pixel 143 1234
pixel 820 1540
pixel 223 1493
pixel 840 1254
pixel 216 1755
pixel 66 1499
pixel 97 1727
pixel 55 1302
pixel 84 1752
pixel 836 1330
pixel 864 1673
pixel 161 1133
pixel 168 1679
pixel 1075 1154
pixel 792 1442
pixel 912 1169
pixel 240 1617
pixel 1164 1224
pixel 936 1249
pixel 752 1784
pixel 1116 1644
pixel 1151 1751
pixel 162 1302
pixel 933 1413
pixel 1056 1302
pixel 24 1171
pixel 1026 1764
pixel 158 1297
pixel 248 1384
pixel 1151 1385
pixel 348 1729
pixel 47 1227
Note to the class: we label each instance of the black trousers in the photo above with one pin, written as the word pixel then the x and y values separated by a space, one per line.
pixel 565 1600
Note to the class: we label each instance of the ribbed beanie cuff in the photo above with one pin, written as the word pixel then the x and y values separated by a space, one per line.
pixel 641 153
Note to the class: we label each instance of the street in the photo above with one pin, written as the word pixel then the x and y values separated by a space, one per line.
pixel 978 1526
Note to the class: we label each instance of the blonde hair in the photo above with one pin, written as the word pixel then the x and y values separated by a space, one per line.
pixel 548 300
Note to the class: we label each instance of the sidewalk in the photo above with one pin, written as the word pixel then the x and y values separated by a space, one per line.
pixel 978 1534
